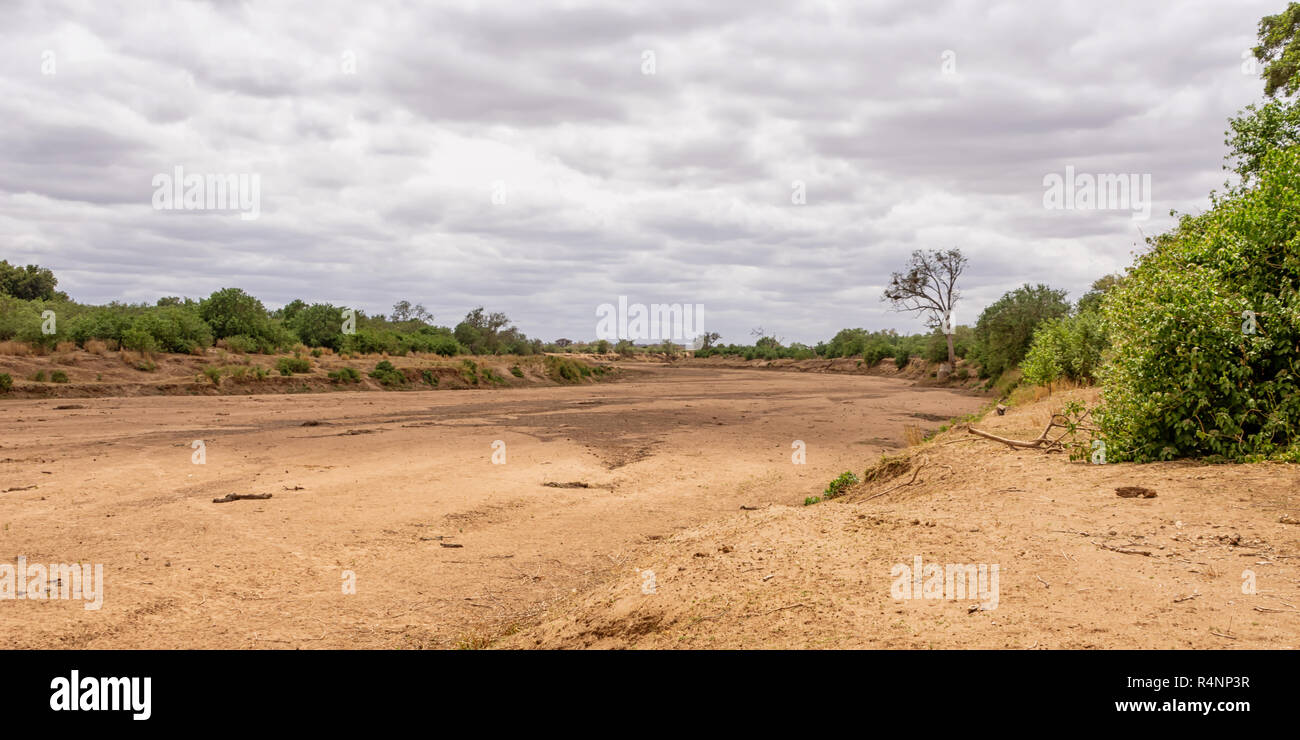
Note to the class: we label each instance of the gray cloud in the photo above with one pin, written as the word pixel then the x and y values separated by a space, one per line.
pixel 671 187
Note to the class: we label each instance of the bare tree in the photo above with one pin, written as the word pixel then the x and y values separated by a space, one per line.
pixel 929 287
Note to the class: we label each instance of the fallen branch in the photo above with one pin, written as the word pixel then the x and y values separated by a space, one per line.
pixel 1122 550
pixel 778 609
pixel 239 497
pixel 1013 443
pixel 1043 441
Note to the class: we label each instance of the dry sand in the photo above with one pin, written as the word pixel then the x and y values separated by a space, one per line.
pixel 380 484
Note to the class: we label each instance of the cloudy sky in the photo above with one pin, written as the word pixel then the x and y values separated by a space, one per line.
pixel 542 160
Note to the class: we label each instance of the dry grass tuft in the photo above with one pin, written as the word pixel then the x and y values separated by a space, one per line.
pixel 887 469
pixel 913 435
pixel 16 349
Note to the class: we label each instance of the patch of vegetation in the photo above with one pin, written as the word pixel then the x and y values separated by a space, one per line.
pixel 840 485
pixel 901 358
pixel 38 376
pixel 6 382
pixel 566 370
pixel 518 372
pixel 213 374
pixel 291 365
pixel 469 371
pixel 1006 328
pixel 387 375
pixel 1205 328
pixel 345 375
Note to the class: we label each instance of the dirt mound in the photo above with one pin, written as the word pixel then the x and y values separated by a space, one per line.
pixel 1211 562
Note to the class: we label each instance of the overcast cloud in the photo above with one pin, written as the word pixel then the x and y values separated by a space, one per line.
pixel 381 131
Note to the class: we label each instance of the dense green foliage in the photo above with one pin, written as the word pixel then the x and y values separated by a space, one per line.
pixel 291 365
pixel 1072 347
pixel 345 375
pixel 1279 50
pixel 1191 375
pixel 1006 328
pixel 387 375
pixel 30 283
pixel 1068 348
pixel 240 322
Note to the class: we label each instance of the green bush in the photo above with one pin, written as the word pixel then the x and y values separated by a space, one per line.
pixel 213 373
pixel 517 371
pixel 1006 328
pixel 6 382
pixel 139 339
pixel 901 358
pixel 39 376
pixel 173 329
pixel 345 375
pixel 841 484
pixel 241 344
pixel 231 311
pixel 371 342
pixel 566 370
pixel 291 365
pixel 104 322
pixel 446 346
pixel 318 325
pixel 387 375
pixel 1069 348
pixel 469 371
pixel 58 376
pixel 1188 377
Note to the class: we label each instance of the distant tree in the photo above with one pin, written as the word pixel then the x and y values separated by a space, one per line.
pixel 30 283
pixel 291 309
pixel 1006 328
pixel 481 332
pixel 929 287
pixel 318 325
pixel 404 311
pixel 708 340
pixel 231 311
pixel 562 342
